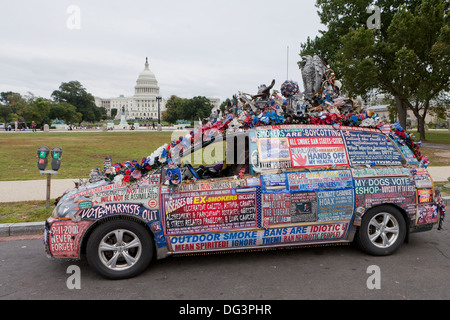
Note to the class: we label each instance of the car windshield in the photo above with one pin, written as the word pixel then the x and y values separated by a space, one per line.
pixel 223 156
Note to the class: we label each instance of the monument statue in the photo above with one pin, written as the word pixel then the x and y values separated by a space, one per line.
pixel 313 70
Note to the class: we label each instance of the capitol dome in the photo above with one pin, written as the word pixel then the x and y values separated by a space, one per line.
pixel 146 83
pixel 146 104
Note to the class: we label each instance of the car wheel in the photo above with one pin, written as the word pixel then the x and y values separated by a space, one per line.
pixel 382 231
pixel 119 249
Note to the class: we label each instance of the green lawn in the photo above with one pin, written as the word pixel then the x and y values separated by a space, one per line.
pixel 29 211
pixel 82 151
pixel 434 136
pixel 438 157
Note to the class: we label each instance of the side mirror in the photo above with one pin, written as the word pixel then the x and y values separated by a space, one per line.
pixel 42 153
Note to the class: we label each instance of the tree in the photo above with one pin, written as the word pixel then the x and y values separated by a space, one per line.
pixel 174 109
pixel 406 58
pixel 103 113
pixel 39 110
pixel 224 104
pixel 187 109
pixel 440 108
pixel 113 113
pixel 19 106
pixel 75 94
pixel 5 112
pixel 4 97
pixel 65 111
pixel 420 41
pixel 198 108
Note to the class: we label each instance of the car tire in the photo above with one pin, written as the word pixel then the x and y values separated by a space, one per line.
pixel 119 249
pixel 382 231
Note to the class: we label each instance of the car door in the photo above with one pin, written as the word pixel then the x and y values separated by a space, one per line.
pixel 312 198
pixel 215 212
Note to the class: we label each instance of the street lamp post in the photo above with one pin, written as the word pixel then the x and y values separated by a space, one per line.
pixel 158 98
pixel 159 111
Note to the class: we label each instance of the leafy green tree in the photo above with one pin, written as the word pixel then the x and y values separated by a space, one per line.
pixel 406 58
pixel 421 40
pixel 4 97
pixel 38 110
pixel 174 109
pixel 5 112
pixel 198 108
pixel 103 113
pixel 19 106
pixel 441 108
pixel 5 109
pixel 75 94
pixel 187 109
pixel 65 111
pixel 224 104
pixel 113 113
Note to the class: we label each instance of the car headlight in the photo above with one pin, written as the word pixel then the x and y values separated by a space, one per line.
pixel 65 209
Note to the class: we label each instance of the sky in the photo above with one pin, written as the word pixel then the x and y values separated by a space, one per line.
pixel 212 48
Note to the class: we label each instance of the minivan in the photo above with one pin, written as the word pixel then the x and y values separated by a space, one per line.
pixel 279 186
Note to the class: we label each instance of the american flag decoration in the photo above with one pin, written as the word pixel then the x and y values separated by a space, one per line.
pixel 385 128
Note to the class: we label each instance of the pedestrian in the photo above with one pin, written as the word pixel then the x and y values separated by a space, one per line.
pixel 33 125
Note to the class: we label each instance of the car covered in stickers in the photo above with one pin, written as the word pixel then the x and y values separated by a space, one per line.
pixel 279 186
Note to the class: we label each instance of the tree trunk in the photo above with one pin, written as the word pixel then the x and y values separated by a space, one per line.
pixel 401 111
pixel 421 127
pixel 420 117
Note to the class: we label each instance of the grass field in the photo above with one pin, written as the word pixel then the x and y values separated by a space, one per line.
pixel 29 211
pixel 438 157
pixel 435 136
pixel 82 151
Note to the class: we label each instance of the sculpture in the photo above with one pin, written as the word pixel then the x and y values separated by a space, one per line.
pixel 264 91
pixel 313 70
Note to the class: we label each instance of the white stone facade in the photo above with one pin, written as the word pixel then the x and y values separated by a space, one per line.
pixel 144 103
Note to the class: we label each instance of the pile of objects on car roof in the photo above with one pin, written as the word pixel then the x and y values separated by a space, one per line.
pixel 321 103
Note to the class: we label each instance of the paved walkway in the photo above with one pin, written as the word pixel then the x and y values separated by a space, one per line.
pixel 15 191
pixel 436 146
pixel 439 174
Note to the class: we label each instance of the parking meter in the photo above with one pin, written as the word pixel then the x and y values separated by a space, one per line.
pixel 56 158
pixel 42 153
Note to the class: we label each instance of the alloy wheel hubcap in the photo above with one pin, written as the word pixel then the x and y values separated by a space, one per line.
pixel 383 230
pixel 120 249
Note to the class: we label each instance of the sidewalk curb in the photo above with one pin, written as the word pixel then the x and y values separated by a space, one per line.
pixel 21 229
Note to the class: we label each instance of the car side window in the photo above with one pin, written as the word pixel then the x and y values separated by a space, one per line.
pixel 370 148
pixel 220 159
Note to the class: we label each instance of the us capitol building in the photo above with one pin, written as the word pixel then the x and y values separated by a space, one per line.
pixel 144 103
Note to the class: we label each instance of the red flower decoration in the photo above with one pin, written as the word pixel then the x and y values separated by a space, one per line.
pixel 126 178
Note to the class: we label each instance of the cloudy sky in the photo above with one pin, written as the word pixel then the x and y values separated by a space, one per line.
pixel 212 48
